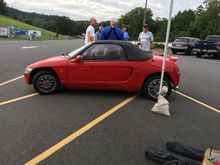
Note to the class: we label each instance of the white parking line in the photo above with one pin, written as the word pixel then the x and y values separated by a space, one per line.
pixel 9 81
pixel 18 99
pixel 30 47
pixel 199 102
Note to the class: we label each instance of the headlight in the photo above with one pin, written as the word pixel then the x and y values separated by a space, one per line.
pixel 28 70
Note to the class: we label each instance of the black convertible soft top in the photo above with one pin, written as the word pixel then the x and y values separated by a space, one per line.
pixel 132 51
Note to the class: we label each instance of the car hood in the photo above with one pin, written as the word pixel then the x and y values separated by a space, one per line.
pixel 50 62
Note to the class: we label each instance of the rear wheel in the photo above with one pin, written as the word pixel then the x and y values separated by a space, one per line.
pixel 218 56
pixel 46 82
pixel 198 55
pixel 174 51
pixel 152 85
pixel 190 52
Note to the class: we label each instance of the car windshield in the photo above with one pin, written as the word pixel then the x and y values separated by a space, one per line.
pixel 212 38
pixel 72 54
pixel 182 40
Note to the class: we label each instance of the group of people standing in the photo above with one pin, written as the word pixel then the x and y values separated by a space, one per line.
pixel 113 32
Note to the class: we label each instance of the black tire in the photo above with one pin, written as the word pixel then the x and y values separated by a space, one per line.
pixel 198 55
pixel 190 52
pixel 174 51
pixel 151 87
pixel 46 82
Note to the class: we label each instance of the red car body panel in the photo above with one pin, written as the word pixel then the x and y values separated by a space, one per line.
pixel 117 75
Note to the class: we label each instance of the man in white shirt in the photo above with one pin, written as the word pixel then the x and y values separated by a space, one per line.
pixel 145 39
pixel 90 32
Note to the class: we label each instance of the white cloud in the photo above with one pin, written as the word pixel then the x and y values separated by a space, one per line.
pixel 101 9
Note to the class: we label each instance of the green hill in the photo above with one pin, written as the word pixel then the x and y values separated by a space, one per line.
pixel 6 21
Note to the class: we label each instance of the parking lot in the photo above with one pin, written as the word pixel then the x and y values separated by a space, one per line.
pixel 87 127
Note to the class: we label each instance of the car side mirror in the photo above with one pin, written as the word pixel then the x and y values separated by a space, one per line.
pixel 77 59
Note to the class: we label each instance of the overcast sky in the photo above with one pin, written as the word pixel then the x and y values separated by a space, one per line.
pixel 102 9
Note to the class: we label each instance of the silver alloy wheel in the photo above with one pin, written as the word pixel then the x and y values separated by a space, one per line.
pixel 153 88
pixel 46 83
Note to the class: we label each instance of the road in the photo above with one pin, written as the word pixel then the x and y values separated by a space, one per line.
pixel 29 126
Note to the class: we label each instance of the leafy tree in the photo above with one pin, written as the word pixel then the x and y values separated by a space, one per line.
pixel 181 24
pixel 160 29
pixel 38 22
pixel 208 21
pixel 64 26
pixel 79 27
pixel 51 26
pixel 200 10
pixel 27 21
pixel 3 8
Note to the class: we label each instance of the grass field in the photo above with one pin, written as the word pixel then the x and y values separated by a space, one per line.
pixel 6 21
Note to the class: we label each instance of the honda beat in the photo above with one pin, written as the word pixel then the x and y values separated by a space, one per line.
pixel 104 65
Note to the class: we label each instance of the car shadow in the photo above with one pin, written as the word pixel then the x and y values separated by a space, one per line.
pixel 210 57
pixel 183 54
pixel 108 93
pixel 97 93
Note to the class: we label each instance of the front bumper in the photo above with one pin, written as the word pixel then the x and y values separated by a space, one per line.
pixel 175 87
pixel 27 78
pixel 208 51
pixel 27 75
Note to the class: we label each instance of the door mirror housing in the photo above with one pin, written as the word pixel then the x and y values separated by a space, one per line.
pixel 77 59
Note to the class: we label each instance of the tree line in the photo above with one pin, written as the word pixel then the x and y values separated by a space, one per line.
pixel 3 8
pixel 203 21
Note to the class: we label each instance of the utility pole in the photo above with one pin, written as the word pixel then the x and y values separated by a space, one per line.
pixel 145 13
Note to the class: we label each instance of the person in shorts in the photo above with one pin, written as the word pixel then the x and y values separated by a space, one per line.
pixel 145 39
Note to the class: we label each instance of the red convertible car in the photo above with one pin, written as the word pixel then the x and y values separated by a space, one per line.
pixel 104 65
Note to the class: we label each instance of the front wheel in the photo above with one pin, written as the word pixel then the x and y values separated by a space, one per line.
pixel 46 82
pixel 199 55
pixel 152 85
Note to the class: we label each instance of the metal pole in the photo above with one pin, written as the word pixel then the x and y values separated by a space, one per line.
pixel 166 46
pixel 145 13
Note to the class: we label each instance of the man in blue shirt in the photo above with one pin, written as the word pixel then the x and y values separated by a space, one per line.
pixel 112 32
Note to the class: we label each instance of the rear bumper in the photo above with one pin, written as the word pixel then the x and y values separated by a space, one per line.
pixel 175 78
pixel 179 48
pixel 207 51
pixel 183 49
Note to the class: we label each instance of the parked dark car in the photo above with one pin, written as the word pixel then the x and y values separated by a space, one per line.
pixel 209 46
pixel 184 44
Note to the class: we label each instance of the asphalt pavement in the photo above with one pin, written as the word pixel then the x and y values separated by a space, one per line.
pixel 30 126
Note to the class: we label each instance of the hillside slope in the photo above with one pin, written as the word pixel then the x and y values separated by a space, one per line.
pixel 6 21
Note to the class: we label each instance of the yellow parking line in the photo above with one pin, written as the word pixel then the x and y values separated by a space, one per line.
pixel 199 102
pixel 18 99
pixel 17 78
pixel 76 134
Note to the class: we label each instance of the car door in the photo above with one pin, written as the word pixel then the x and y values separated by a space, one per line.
pixel 102 66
